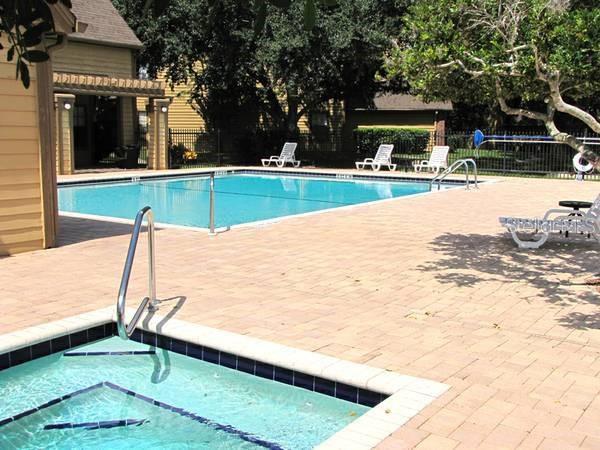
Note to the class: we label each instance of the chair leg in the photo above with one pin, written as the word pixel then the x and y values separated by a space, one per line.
pixel 530 244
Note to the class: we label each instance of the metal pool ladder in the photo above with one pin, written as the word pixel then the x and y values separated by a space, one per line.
pixel 454 167
pixel 150 301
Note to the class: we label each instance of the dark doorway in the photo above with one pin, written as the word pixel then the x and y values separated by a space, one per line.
pixel 106 129
pixel 96 131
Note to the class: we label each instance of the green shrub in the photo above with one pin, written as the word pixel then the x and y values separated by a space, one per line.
pixel 405 140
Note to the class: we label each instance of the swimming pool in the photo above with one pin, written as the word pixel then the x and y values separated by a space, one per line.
pixel 239 198
pixel 117 394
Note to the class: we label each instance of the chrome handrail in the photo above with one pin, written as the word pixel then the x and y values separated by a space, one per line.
pixel 453 167
pixel 211 209
pixel 150 301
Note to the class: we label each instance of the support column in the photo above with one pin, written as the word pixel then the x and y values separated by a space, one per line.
pixel 158 133
pixel 440 128
pixel 65 160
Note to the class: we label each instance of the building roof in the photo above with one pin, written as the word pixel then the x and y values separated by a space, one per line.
pixel 104 24
pixel 405 102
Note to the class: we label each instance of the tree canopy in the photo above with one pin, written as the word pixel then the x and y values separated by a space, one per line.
pixel 277 71
pixel 535 58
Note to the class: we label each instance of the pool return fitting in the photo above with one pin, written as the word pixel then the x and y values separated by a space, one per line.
pixel 150 302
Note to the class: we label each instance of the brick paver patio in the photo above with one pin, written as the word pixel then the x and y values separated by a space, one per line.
pixel 428 286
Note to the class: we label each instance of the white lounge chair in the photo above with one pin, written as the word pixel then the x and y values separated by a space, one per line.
pixel 286 156
pixel 438 160
pixel 383 157
pixel 567 221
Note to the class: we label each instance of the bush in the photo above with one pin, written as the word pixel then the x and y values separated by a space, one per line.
pixel 405 140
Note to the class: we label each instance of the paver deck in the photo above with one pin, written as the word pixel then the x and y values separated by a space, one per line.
pixel 429 286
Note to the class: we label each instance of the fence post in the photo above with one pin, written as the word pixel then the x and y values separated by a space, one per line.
pixel 169 146
pixel 218 148
pixel 504 156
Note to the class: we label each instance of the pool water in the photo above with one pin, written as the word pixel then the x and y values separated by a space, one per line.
pixel 239 198
pixel 163 400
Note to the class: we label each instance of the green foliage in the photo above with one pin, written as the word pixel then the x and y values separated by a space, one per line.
pixel 565 35
pixel 25 23
pixel 241 77
pixel 405 140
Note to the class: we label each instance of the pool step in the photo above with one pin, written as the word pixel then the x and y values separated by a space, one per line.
pixel 96 425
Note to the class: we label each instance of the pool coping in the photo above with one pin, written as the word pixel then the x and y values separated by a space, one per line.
pixel 451 184
pixel 337 174
pixel 407 395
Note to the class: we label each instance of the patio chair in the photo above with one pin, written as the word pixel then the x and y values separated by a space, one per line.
pixel 286 156
pixel 567 220
pixel 437 160
pixel 383 157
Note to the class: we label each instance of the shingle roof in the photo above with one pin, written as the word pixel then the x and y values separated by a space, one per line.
pixel 105 24
pixel 404 102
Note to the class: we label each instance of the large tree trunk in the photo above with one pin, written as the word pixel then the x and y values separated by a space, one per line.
pixel 292 112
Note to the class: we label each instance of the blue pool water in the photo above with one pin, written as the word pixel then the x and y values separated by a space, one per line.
pixel 185 403
pixel 239 198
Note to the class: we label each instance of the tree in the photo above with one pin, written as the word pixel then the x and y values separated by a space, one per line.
pixel 276 71
pixel 338 59
pixel 535 58
pixel 24 24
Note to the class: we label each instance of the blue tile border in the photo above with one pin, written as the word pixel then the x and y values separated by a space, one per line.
pixel 96 425
pixel 56 345
pixel 52 402
pixel 248 437
pixel 117 353
pixel 253 367
pixel 263 370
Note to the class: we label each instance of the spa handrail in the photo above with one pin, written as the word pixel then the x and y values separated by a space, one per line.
pixel 126 330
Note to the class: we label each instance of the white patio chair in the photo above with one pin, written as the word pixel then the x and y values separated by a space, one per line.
pixel 567 221
pixel 286 156
pixel 383 157
pixel 438 160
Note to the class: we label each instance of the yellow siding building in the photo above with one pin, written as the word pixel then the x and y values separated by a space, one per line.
pixel 28 212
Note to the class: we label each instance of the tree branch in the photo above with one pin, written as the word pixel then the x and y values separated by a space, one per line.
pixel 553 81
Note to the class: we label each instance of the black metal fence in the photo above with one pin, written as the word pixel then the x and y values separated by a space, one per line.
pixel 202 148
pixel 530 157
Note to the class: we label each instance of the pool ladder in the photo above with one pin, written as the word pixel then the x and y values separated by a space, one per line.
pixel 149 302
pixel 453 168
